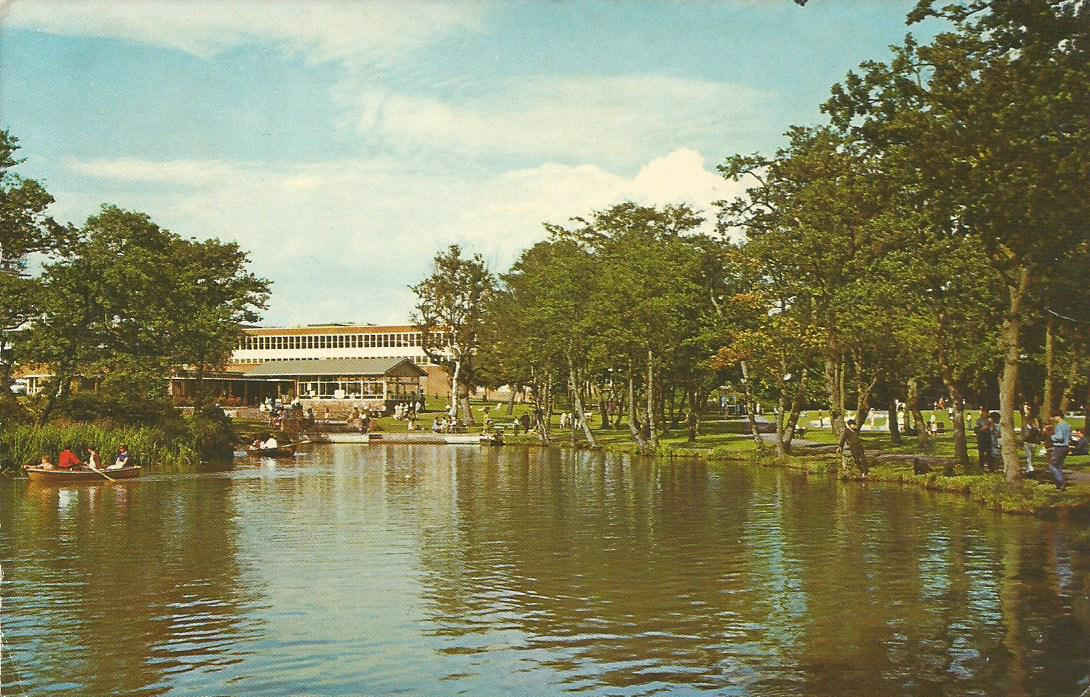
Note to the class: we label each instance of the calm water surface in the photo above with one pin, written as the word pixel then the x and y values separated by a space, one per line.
pixel 446 570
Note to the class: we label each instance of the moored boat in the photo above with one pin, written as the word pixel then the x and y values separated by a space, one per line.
pixel 79 476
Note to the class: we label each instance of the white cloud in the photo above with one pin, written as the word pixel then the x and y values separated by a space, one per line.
pixel 320 29
pixel 620 118
pixel 364 231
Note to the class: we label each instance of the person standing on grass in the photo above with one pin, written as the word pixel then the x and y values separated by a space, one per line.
pixel 983 430
pixel 1061 439
pixel 850 437
pixel 1031 438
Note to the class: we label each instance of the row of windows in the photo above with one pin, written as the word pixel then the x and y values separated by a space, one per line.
pixel 244 361
pixel 322 341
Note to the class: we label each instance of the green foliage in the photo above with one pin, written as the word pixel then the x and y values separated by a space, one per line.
pixel 212 434
pixel 150 447
pixel 129 299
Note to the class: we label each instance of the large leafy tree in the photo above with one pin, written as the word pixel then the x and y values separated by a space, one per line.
pixel 450 314
pixel 25 229
pixel 647 295
pixel 130 301
pixel 989 122
pixel 817 216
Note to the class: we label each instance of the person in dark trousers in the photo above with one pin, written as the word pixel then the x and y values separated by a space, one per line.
pixel 1061 439
pixel 983 430
pixel 850 437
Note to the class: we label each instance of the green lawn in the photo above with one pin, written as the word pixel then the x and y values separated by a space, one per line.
pixel 723 436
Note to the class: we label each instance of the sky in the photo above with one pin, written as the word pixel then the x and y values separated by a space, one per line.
pixel 344 143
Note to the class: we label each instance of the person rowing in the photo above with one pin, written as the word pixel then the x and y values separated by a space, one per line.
pixel 94 460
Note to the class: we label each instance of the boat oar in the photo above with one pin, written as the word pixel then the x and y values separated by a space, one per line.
pixel 95 469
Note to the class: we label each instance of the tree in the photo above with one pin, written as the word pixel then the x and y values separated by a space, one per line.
pixel 989 122
pixel 25 229
pixel 450 313
pixel 818 215
pixel 646 296
pixel 130 301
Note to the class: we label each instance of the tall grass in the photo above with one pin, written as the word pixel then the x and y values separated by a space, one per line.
pixel 149 447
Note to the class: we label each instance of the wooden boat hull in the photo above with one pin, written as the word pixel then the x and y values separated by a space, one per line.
pixel 55 476
pixel 282 451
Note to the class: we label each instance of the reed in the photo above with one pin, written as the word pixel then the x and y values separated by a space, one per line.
pixel 150 447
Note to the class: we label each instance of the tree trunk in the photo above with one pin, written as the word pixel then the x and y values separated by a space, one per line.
pixel 691 393
pixel 543 406
pixel 454 391
pixel 834 387
pixel 577 402
pixel 603 404
pixel 961 448
pixel 59 389
pixel 633 420
pixel 923 438
pixel 652 431
pixel 511 401
pixel 1010 342
pixel 1048 400
pixel 758 442
pixel 463 399
pixel 1071 377
pixel 862 402
pixel 793 417
pixel 894 426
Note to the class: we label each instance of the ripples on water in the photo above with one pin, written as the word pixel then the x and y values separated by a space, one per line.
pixel 451 570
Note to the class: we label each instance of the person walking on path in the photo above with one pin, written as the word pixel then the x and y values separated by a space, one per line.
pixel 1061 438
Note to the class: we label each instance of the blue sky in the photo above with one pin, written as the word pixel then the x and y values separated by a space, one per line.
pixel 343 143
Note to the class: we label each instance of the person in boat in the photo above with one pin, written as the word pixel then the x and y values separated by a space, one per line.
pixel 45 464
pixel 68 460
pixel 122 460
pixel 270 443
pixel 94 460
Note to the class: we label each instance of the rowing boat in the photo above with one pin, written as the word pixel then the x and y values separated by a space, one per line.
pixel 80 476
pixel 286 450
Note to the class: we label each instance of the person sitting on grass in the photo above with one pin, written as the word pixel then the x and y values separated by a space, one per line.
pixel 68 460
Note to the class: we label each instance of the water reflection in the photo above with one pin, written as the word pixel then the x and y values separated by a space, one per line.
pixel 442 570
pixel 116 589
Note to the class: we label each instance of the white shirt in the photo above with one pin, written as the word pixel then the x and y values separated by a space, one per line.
pixel 270 444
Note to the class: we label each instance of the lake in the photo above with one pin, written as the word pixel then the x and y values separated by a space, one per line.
pixel 446 570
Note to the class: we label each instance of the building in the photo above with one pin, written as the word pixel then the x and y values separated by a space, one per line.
pixel 339 364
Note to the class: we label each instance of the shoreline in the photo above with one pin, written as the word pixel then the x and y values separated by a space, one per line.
pixel 1025 497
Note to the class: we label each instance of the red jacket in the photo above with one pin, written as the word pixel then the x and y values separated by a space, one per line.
pixel 68 459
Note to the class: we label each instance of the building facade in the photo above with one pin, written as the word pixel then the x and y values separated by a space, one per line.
pixel 351 365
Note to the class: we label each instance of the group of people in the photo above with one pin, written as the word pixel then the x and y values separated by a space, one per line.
pixel 266 442
pixel 444 424
pixel 68 460
pixel 1056 439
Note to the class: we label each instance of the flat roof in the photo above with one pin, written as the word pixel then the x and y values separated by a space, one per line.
pixel 331 329
pixel 333 366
